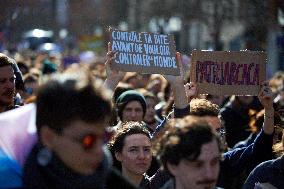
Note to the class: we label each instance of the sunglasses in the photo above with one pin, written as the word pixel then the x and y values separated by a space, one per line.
pixel 88 141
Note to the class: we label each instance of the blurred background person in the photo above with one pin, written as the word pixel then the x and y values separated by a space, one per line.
pixel 71 116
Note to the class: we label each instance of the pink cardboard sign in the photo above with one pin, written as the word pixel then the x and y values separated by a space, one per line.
pixel 228 73
pixel 144 52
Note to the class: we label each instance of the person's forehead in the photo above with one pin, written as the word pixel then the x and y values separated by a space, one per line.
pixel 78 127
pixel 136 140
pixel 6 71
pixel 133 104
pixel 209 151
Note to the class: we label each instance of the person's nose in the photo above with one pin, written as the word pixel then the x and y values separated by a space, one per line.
pixel 209 172
pixel 141 155
pixel 133 113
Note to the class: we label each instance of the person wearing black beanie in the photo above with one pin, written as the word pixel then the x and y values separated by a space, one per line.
pixel 181 105
pixel 131 106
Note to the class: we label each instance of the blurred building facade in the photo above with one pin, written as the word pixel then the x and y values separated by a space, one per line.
pixel 207 24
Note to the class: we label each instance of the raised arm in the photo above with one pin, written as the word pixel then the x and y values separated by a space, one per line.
pixel 246 158
pixel 113 76
pixel 266 98
pixel 177 86
pixel 191 90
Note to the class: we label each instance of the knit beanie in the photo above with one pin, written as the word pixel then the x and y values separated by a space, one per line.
pixel 128 96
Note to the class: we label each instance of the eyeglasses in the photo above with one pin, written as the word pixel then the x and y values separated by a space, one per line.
pixel 88 141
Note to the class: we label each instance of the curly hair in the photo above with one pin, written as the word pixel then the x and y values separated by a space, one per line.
pixel 184 140
pixel 6 61
pixel 203 107
pixel 128 128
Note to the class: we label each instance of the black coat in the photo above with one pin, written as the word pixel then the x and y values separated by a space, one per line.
pixel 57 176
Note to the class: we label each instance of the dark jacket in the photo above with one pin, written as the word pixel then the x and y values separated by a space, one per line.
pixel 240 160
pixel 57 176
pixel 271 171
pixel 145 183
pixel 171 185
pixel 116 181
pixel 236 123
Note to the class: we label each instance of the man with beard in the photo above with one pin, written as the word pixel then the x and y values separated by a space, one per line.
pixel 7 83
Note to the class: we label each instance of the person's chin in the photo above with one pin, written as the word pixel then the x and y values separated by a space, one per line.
pixel 95 166
pixel 89 168
pixel 142 168
pixel 208 186
pixel 140 171
pixel 87 171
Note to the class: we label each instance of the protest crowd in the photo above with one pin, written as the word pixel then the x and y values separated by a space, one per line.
pixel 88 125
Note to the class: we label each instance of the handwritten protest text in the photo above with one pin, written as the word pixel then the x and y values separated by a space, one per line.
pixel 143 49
pixel 227 73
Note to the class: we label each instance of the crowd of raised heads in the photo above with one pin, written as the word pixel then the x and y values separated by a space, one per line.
pixel 97 127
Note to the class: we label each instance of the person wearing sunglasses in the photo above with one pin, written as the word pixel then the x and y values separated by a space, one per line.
pixel 71 118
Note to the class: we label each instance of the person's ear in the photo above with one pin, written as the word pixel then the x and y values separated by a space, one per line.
pixel 118 156
pixel 172 168
pixel 47 136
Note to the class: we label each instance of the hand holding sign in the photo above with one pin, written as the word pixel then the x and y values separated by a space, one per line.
pixel 266 96
pixel 191 90
pixel 113 76
pixel 177 86
pixel 111 73
pixel 176 79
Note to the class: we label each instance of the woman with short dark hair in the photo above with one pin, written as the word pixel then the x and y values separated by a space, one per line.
pixel 131 147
